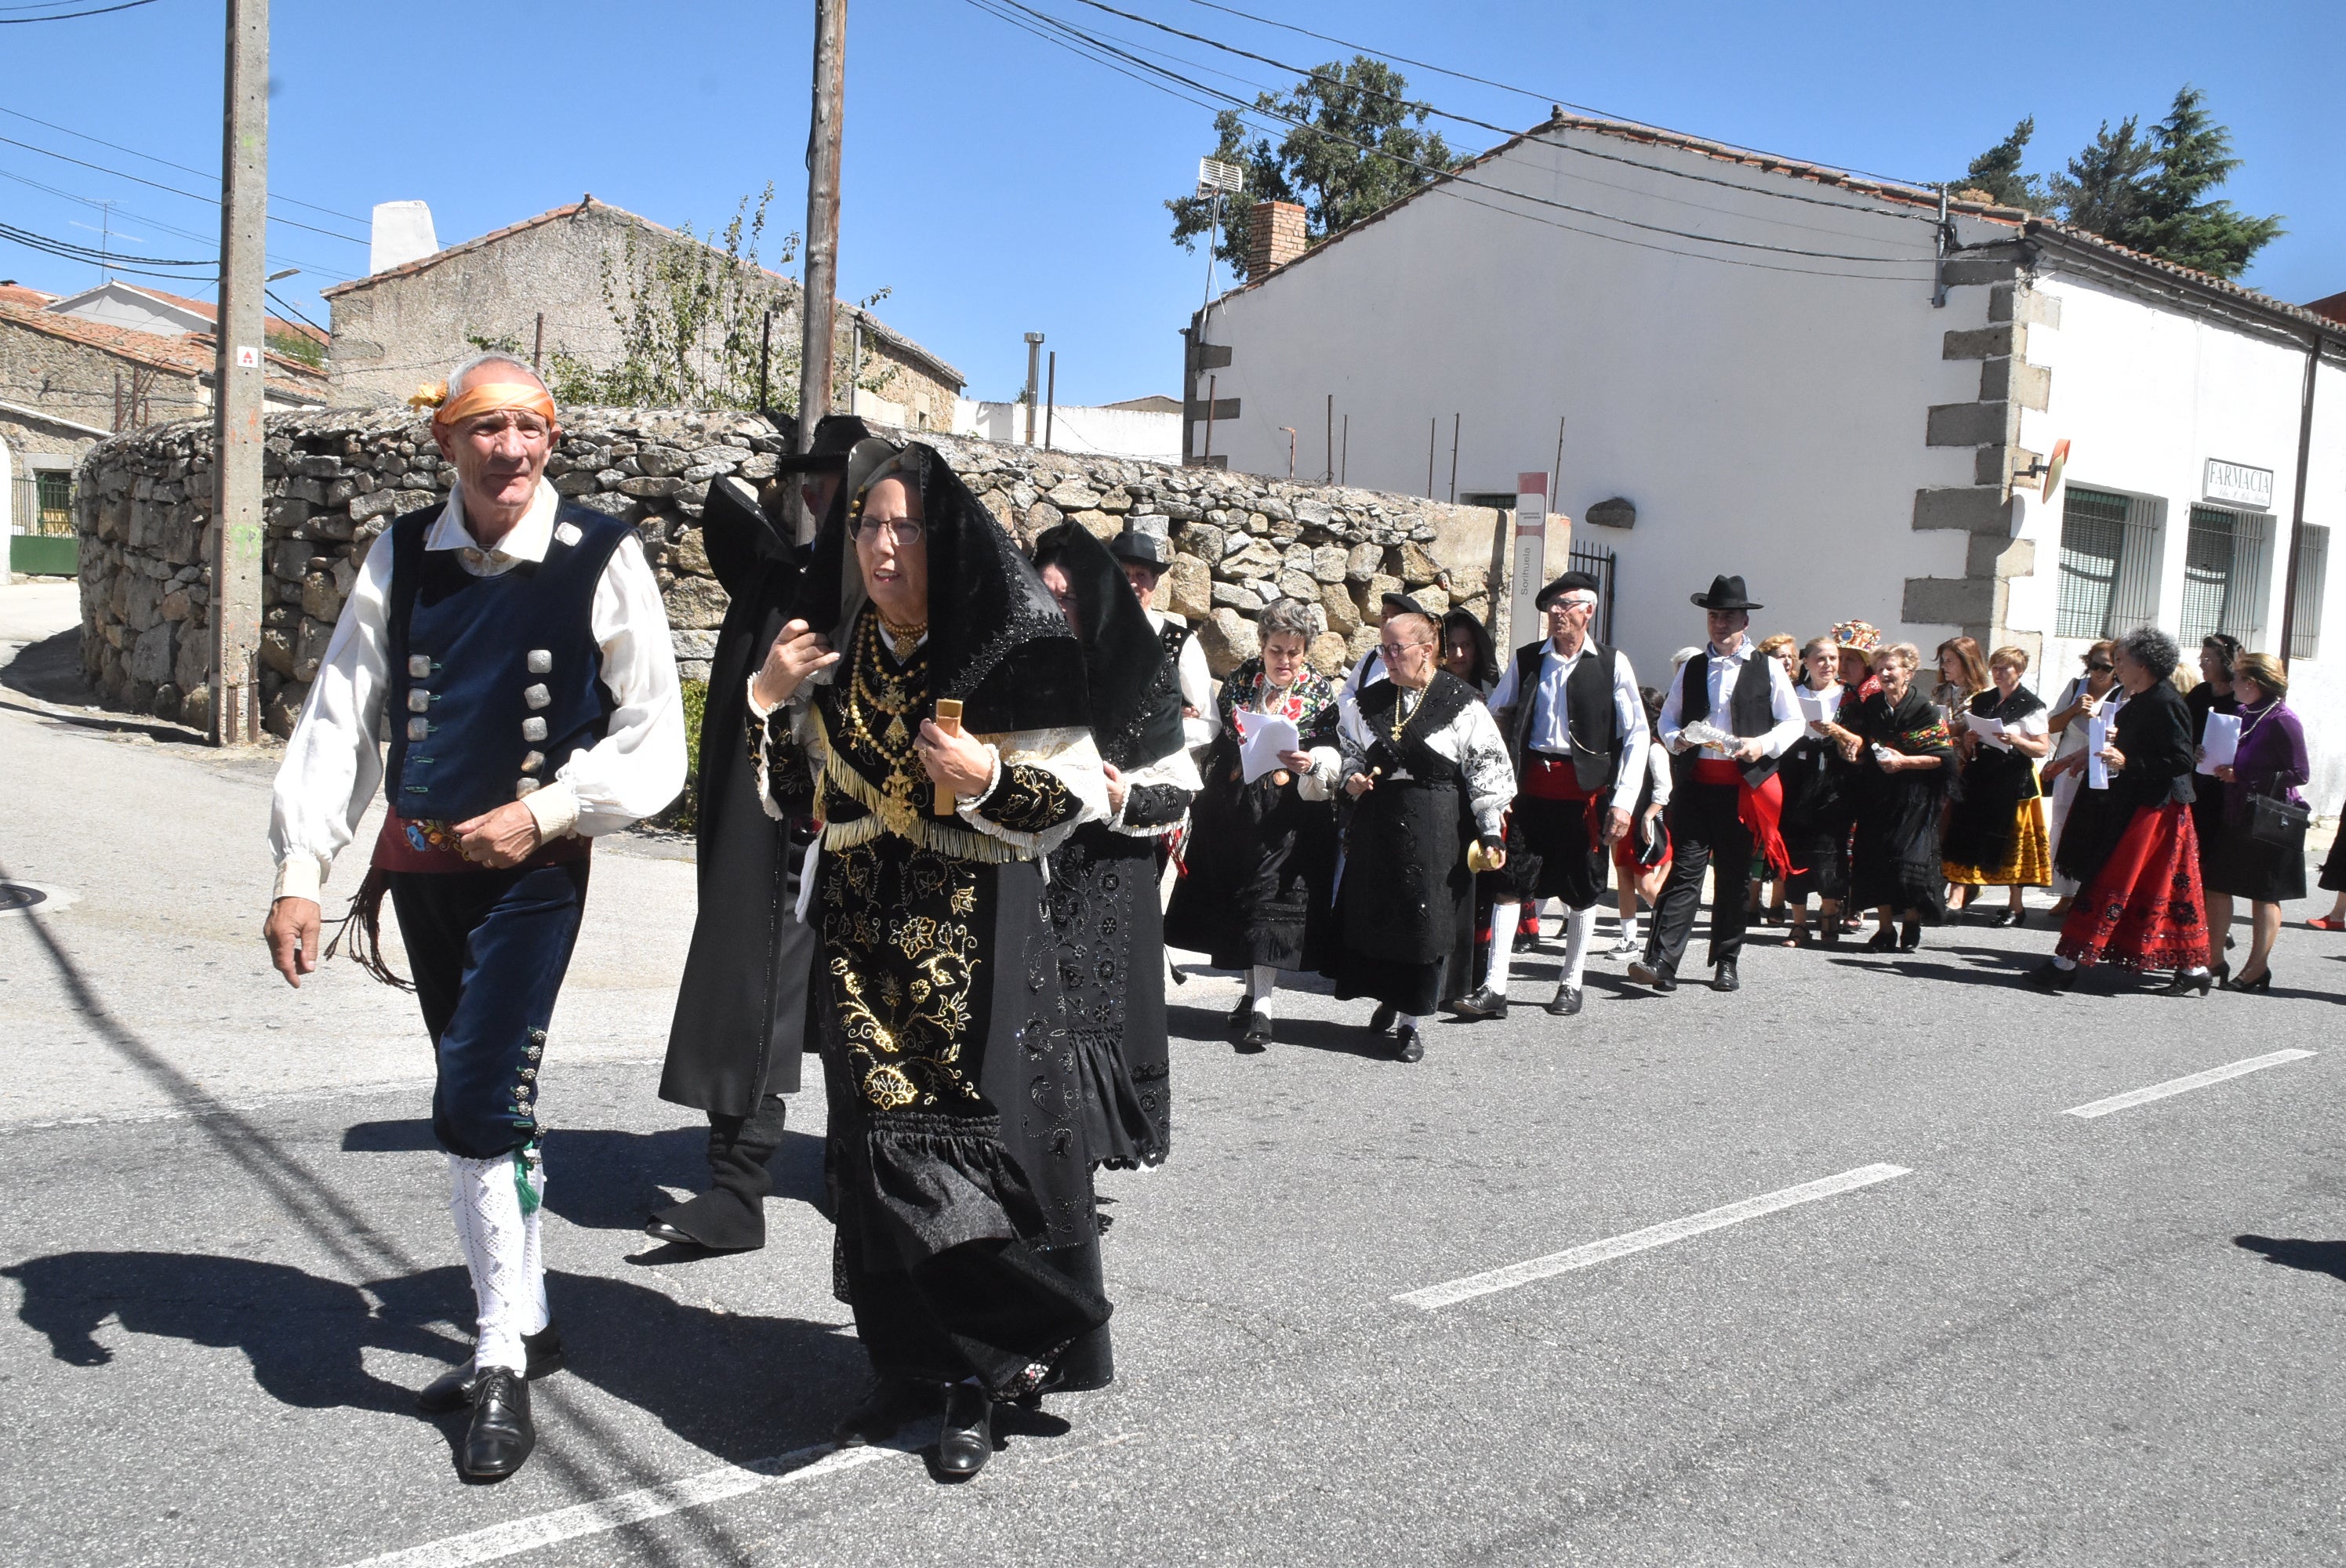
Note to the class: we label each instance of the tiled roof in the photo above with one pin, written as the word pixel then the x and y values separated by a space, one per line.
pixel 18 294
pixel 575 208
pixel 188 354
pixel 2191 277
pixel 2330 307
pixel 210 312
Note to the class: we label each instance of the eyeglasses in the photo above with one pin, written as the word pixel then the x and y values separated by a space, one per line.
pixel 2099 668
pixel 903 529
pixel 1395 651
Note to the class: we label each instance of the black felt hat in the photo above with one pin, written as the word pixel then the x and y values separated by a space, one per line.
pixel 1142 548
pixel 1568 583
pixel 1401 604
pixel 836 436
pixel 1725 594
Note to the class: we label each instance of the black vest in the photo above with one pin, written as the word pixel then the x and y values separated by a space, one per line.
pixel 1587 709
pixel 1750 710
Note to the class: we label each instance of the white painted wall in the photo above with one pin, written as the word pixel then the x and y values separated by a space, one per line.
pixel 1767 423
pixel 116 304
pixel 1108 432
pixel 2145 394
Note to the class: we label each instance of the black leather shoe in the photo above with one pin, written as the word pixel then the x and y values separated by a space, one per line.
pixel 1237 1019
pixel 1883 941
pixel 453 1390
pixel 1910 936
pixel 966 1441
pixel 891 1404
pixel 1380 1021
pixel 1654 975
pixel 2051 976
pixel 1409 1046
pixel 2009 918
pixel 1485 1004
pixel 501 1436
pixel 1726 978
pixel 1256 1037
pixel 2185 984
pixel 1566 1001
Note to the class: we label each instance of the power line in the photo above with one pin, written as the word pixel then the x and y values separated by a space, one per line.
pixel 71 15
pixel 91 252
pixel 1520 92
pixel 1454 176
pixel 302 262
pixel 173 189
pixel 166 163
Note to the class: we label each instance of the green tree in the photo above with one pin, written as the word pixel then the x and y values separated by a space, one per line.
pixel 1996 172
pixel 2102 189
pixel 2179 219
pixel 1355 146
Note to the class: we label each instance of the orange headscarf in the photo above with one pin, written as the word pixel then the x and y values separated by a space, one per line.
pixel 489 397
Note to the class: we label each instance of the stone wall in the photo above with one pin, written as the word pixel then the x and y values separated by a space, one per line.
pixel 336 477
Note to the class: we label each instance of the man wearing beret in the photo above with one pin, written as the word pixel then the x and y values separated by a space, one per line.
pixel 1575 727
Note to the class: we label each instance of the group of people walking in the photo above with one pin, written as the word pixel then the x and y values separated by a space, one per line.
pixel 958 794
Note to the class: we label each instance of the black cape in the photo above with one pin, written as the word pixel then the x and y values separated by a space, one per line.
pixel 740 1010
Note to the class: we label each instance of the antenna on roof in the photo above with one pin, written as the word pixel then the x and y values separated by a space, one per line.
pixel 1214 178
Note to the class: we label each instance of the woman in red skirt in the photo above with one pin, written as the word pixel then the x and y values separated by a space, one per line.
pixel 2131 846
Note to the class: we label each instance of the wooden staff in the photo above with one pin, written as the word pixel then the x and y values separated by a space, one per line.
pixel 949 720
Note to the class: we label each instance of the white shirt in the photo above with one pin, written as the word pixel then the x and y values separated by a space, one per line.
pixel 1551 728
pixel 1197 686
pixel 1724 670
pixel 333 763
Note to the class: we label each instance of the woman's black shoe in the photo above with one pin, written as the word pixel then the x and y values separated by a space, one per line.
pixel 2184 982
pixel 1910 937
pixel 1829 930
pixel 967 1441
pixel 2051 976
pixel 1410 1046
pixel 2009 918
pixel 1237 1021
pixel 1256 1037
pixel 2261 983
pixel 1884 941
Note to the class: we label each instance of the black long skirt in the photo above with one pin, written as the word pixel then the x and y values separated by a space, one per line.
pixel 957 1159
pixel 2248 868
pixel 1405 897
pixel 1111 953
pixel 1254 885
pixel 1895 860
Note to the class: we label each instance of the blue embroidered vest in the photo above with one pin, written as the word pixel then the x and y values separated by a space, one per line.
pixel 495 681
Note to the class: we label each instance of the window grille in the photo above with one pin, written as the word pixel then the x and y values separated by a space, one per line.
pixel 53 512
pixel 2312 572
pixel 2110 562
pixel 2225 558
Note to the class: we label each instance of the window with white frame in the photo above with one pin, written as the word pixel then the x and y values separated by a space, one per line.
pixel 2225 561
pixel 2312 572
pixel 2110 562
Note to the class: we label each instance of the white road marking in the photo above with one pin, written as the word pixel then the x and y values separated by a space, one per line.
pixel 2184 1085
pixel 1653 1236
pixel 627 1507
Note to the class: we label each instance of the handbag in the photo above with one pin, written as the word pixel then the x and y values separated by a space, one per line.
pixel 2272 820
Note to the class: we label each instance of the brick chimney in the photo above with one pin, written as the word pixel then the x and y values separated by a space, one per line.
pixel 1274 236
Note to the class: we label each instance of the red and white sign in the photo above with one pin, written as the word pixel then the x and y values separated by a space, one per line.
pixel 248 357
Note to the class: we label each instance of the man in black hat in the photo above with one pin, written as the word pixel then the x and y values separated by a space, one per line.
pixel 1576 727
pixel 1145 556
pixel 1727 718
pixel 734 1048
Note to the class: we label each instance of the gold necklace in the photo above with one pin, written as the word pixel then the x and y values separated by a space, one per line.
pixel 904 639
pixel 1403 711
pixel 893 694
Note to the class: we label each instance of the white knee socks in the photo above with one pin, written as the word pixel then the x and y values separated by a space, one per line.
pixel 1579 926
pixel 498 1229
pixel 1263 983
pixel 1505 919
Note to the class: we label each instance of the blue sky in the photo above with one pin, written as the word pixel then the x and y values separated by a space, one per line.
pixel 999 185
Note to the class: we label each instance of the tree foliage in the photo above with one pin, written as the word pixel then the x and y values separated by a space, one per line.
pixel 2152 191
pixel 1355 146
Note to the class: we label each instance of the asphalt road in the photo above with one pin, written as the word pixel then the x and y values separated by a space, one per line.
pixel 2052 1339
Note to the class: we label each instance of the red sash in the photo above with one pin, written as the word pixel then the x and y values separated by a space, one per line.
pixel 1553 778
pixel 413 846
pixel 1760 810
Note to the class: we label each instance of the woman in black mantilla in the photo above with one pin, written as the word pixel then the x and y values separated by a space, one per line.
pixel 1103 894
pixel 957 1160
pixel 1253 893
pixel 1904 755
pixel 1427 759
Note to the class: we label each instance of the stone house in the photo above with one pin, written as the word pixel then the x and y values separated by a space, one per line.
pixel 1940 415
pixel 68 381
pixel 407 324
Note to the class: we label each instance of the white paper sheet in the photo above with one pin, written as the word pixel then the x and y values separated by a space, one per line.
pixel 1262 736
pixel 1990 730
pixel 1820 707
pixel 2221 743
pixel 2097 735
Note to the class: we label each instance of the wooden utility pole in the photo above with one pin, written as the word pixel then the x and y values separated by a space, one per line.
pixel 821 275
pixel 237 382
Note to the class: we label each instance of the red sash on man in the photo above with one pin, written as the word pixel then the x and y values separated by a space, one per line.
pixel 1760 810
pixel 1552 777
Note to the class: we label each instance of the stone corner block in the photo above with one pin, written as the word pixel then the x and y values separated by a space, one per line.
pixel 1969 423
pixel 1973 508
pixel 2009 379
pixel 1949 601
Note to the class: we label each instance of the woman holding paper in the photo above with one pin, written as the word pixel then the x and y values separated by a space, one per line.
pixel 1903 757
pixel 2269 764
pixel 1254 891
pixel 2096 691
pixel 2130 842
pixel 1817 810
pixel 1995 832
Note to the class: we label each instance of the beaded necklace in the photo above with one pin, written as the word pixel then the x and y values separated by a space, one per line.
pixel 871 685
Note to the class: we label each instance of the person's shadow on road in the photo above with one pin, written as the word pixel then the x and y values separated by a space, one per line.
pixel 2314 1256
pixel 601 1179
pixel 741 1388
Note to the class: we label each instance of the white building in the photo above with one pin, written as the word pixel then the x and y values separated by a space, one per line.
pixel 1144 427
pixel 1801 375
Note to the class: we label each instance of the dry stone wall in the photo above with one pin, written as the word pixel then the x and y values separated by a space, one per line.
pixel 336 477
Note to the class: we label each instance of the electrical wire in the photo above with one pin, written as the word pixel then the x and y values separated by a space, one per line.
pixel 91 252
pixel 306 265
pixel 74 16
pixel 1443 178
pixel 166 163
pixel 173 189
pixel 1527 92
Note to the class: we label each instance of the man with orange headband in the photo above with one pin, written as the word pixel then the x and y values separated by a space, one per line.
pixel 514 648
